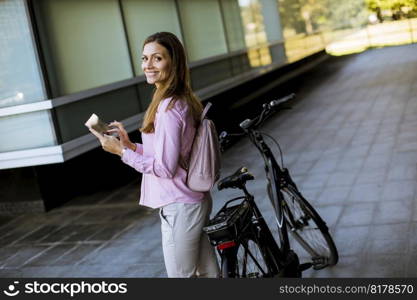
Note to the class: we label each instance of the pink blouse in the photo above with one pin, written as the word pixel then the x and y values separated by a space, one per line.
pixel 163 180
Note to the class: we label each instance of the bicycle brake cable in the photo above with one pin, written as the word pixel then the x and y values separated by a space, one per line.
pixel 279 147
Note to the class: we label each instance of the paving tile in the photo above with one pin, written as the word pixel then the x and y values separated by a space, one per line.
pixel 18 234
pixel 372 176
pixel 385 148
pixel 108 232
pixel 339 178
pixel 309 156
pixel 350 164
pixel 44 272
pixel 358 214
pixel 323 166
pixel 387 246
pixel 385 265
pixel 404 158
pixel 314 181
pixel 39 234
pixel 366 192
pixel 351 240
pixel 8 224
pixel 398 231
pixel 51 255
pixel 412 238
pixel 12 273
pixel 100 271
pixel 146 271
pixel 64 233
pixel 83 232
pixel 402 172
pixel 405 146
pixel 356 151
pixel 76 254
pixel 399 190
pixel 333 195
pixel 410 269
pixel 376 162
pixel 394 212
pixel 117 253
pixel 6 253
pixel 23 256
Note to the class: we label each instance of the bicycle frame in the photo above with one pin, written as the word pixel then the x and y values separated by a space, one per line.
pixel 275 175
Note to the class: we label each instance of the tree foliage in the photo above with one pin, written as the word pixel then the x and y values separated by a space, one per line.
pixel 313 15
pixel 398 8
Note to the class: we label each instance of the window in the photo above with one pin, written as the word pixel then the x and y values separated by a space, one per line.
pixel 85 44
pixel 255 34
pixel 20 82
pixel 233 24
pixel 144 18
pixel 272 21
pixel 202 28
pixel 26 131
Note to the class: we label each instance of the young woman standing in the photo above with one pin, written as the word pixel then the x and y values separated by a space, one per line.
pixel 168 130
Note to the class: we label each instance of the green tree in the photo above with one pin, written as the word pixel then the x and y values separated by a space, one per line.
pixel 291 16
pixel 346 14
pixel 313 15
pixel 399 8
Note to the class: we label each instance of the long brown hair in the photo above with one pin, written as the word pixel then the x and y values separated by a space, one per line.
pixel 177 85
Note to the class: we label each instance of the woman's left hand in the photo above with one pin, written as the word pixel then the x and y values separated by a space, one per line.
pixel 109 143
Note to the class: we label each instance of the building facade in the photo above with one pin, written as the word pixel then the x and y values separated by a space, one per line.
pixel 61 60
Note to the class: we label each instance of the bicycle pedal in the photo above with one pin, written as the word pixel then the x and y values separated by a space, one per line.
pixel 305 266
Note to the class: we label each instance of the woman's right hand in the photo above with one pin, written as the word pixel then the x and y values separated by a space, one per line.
pixel 122 133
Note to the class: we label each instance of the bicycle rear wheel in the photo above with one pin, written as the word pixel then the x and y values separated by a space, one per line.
pixel 249 261
pixel 309 229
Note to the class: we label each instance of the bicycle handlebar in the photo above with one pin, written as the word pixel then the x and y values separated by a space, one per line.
pixel 282 100
pixel 267 107
pixel 252 123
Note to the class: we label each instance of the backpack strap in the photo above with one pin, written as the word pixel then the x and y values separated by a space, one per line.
pixel 206 109
pixel 203 115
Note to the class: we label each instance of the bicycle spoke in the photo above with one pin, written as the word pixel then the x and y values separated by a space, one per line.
pixel 305 230
pixel 251 261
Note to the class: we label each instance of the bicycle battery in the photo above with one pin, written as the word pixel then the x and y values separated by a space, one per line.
pixel 228 222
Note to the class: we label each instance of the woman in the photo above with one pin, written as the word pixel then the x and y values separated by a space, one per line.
pixel 167 133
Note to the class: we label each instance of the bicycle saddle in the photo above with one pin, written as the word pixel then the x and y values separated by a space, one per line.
pixel 236 180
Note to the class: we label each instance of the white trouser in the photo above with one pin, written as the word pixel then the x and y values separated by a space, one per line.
pixel 187 250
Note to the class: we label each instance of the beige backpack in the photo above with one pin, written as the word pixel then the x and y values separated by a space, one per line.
pixel 204 162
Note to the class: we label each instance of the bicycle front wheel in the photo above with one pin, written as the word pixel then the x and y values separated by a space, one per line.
pixel 309 229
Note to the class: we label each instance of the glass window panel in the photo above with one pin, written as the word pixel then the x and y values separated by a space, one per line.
pixel 271 19
pixel 234 25
pixel 253 22
pixel 207 74
pixel 255 34
pixel 115 105
pixel 26 131
pixel 144 18
pixel 202 28
pixel 86 42
pixel 20 81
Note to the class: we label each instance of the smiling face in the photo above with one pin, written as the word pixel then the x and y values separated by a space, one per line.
pixel 155 63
